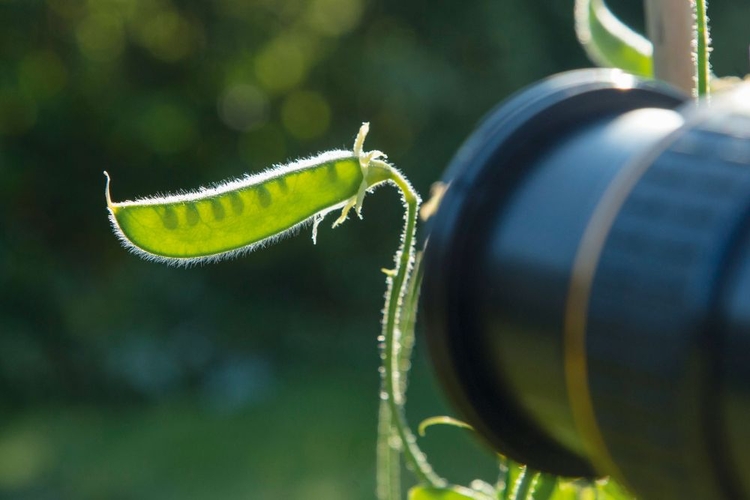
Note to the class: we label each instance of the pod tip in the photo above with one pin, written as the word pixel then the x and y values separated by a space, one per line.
pixel 106 190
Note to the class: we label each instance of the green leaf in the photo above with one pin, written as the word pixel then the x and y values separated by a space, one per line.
pixel 610 43
pixel 429 422
pixel 447 493
pixel 583 489
pixel 573 490
pixel 611 490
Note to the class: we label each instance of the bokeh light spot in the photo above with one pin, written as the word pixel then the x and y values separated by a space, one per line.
pixel 166 34
pixel 282 64
pixel 306 114
pixel 243 107
pixel 66 9
pixel 24 457
pixel 322 487
pixel 334 17
pixel 101 36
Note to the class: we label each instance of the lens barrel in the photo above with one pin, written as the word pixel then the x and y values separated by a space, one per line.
pixel 587 284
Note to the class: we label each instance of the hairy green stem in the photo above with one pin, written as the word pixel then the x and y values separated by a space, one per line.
pixel 388 456
pixel 408 320
pixel 544 486
pixel 503 485
pixel 702 49
pixel 523 484
pixel 388 466
pixel 398 286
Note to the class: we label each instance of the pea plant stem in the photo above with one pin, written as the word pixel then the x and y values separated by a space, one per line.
pixel 388 467
pixel 702 49
pixel 397 289
pixel 389 457
pixel 523 484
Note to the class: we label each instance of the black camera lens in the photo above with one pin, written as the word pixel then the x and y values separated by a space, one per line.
pixel 587 284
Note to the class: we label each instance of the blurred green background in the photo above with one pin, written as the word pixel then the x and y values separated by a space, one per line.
pixel 256 378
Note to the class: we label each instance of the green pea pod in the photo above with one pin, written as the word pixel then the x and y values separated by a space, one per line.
pixel 609 42
pixel 238 216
